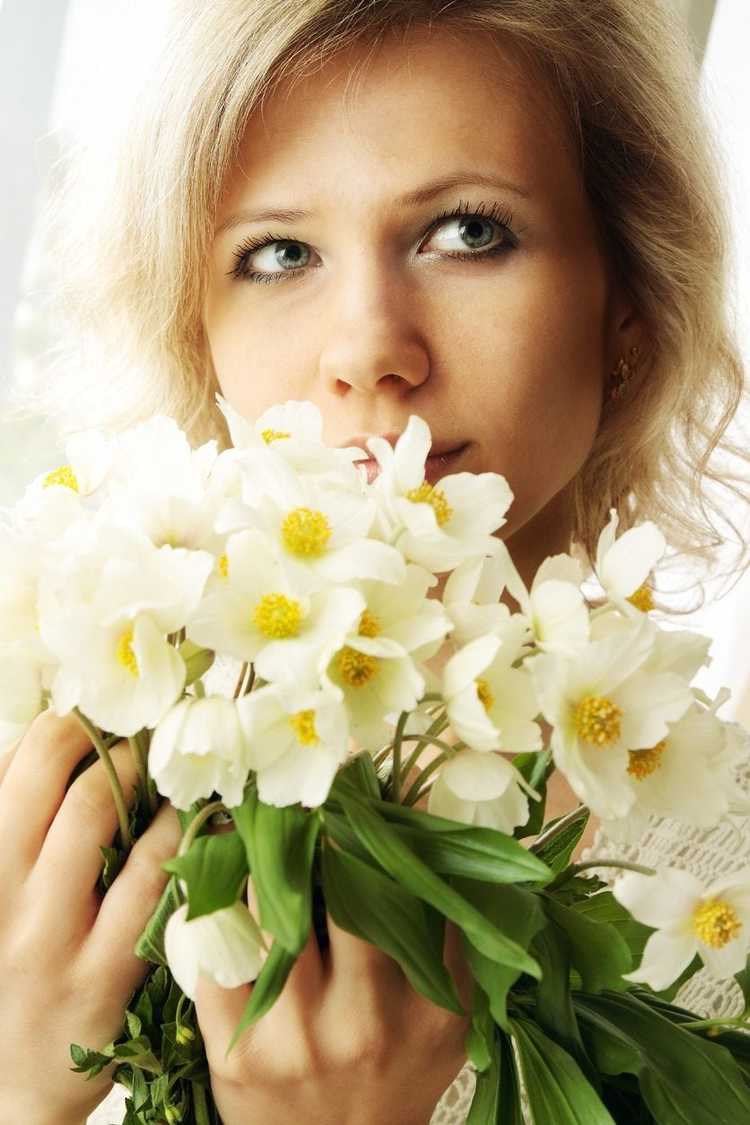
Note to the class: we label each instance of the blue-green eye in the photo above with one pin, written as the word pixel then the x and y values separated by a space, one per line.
pixel 473 226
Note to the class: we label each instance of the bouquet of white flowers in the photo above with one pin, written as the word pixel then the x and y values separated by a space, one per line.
pixel 127 570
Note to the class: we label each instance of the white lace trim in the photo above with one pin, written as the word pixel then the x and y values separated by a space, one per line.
pixel 707 853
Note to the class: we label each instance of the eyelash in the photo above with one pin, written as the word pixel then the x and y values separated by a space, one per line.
pixel 503 216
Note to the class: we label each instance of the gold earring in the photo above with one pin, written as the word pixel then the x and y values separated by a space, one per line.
pixel 623 373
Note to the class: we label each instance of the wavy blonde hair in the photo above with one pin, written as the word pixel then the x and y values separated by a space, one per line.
pixel 131 219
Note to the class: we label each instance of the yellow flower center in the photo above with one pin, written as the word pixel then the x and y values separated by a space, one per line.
pixel 305 533
pixel 642 599
pixel 715 922
pixel 356 668
pixel 644 762
pixel 486 698
pixel 223 564
pixel 64 476
pixel 435 497
pixel 278 616
pixel 597 720
pixel 303 724
pixel 125 654
pixel 273 435
pixel 369 626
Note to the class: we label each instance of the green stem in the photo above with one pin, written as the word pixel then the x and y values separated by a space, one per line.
pixel 728 1022
pixel 396 773
pixel 558 828
pixel 423 741
pixel 240 680
pixel 140 757
pixel 114 781
pixel 626 866
pixel 200 1105
pixel 415 792
pixel 197 823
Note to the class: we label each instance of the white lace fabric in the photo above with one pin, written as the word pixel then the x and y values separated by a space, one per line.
pixel 709 854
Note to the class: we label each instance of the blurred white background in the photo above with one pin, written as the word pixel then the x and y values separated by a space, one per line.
pixel 71 66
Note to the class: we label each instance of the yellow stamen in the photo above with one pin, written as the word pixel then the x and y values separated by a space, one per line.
pixel 597 720
pixel 642 599
pixel 715 922
pixel 435 497
pixel 644 762
pixel 273 435
pixel 125 654
pixel 223 565
pixel 303 723
pixel 305 533
pixel 369 626
pixel 64 476
pixel 356 668
pixel 278 616
pixel 486 698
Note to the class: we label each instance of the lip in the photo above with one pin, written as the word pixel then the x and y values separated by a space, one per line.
pixel 436 466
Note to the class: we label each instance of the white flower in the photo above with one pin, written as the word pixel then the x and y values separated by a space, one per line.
pixel 319 531
pixel 295 430
pixel 105 609
pixel 88 458
pixel 481 788
pixel 554 607
pixel 602 703
pixel 471 597
pixel 20 694
pixel 689 917
pixel 295 746
pixel 490 704
pixel 225 946
pixel 623 564
pixel 199 748
pixel 253 609
pixel 437 526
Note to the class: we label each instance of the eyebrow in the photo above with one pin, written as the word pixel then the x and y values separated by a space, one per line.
pixel 413 198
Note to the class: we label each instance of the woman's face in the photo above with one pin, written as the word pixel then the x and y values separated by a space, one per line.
pixel 361 304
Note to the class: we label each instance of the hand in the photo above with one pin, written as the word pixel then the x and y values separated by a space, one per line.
pixel 66 954
pixel 348 1040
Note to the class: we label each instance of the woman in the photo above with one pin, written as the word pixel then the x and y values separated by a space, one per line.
pixel 503 216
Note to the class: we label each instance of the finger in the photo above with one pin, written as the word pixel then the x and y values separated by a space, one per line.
pixel 129 903
pixel 357 967
pixel 6 757
pixel 70 861
pixel 306 977
pixel 33 786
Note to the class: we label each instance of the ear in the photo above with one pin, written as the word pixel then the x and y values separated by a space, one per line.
pixel 624 328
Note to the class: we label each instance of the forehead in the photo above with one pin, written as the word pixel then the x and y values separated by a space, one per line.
pixel 373 120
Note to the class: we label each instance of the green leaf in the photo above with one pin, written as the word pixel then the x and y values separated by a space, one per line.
pixel 557 1089
pixel 266 988
pixel 403 865
pixel 597 950
pixel 368 904
pixel 536 767
pixel 280 847
pixel 361 773
pixel 485 1103
pixel 150 945
pixel 480 1038
pixel 554 1008
pixel 510 1111
pixel 475 853
pixel 743 980
pixel 197 660
pixel 214 868
pixel 519 914
pixel 557 851
pixel 687 1077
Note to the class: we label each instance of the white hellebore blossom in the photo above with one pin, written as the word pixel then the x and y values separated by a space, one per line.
pixel 375 670
pixel 689 917
pixel 623 564
pixel 297 746
pixel 199 748
pixel 603 702
pixel 481 788
pixel 490 704
pixel 436 526
pixel 225 946
pixel 554 607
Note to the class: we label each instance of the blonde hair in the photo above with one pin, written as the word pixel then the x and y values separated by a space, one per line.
pixel 131 221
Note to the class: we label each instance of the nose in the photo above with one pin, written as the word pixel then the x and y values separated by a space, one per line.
pixel 374 346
